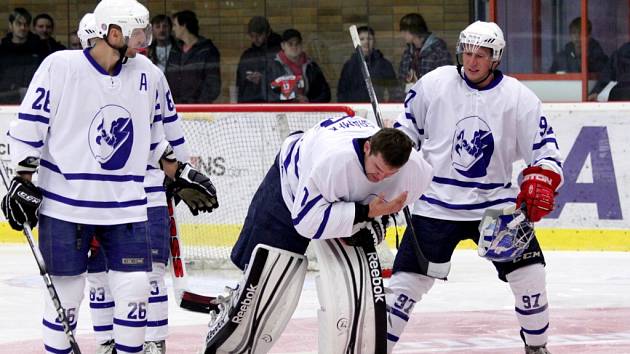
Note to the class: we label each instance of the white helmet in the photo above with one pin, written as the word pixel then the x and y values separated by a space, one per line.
pixel 87 30
pixel 482 34
pixel 132 18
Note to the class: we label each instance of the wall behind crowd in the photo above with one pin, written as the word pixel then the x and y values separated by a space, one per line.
pixel 323 23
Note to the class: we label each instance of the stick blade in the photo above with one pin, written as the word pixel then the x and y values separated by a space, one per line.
pixel 198 303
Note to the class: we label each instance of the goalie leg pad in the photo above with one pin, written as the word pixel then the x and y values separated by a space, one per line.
pixel 352 299
pixel 254 315
pixel 405 291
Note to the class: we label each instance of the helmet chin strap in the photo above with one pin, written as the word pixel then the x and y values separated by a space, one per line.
pixel 121 51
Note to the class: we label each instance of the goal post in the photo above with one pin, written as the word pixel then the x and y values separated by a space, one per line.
pixel 235 144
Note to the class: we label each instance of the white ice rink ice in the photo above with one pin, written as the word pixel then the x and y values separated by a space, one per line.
pixel 473 312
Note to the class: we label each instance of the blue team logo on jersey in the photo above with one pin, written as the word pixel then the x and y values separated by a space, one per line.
pixel 473 146
pixel 111 137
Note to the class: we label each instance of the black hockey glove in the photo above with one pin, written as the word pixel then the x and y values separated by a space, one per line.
pixel 373 232
pixel 194 188
pixel 21 203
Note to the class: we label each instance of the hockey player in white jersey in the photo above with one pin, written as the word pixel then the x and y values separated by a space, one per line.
pixel 85 125
pixel 101 302
pixel 471 123
pixel 339 180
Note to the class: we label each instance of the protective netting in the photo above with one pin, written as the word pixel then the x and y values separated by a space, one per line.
pixel 235 149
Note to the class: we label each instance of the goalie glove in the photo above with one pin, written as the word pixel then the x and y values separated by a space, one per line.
pixel 21 203
pixel 372 232
pixel 194 188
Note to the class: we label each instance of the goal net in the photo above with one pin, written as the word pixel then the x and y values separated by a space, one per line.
pixel 235 145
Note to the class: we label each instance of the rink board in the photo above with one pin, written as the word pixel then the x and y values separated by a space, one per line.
pixel 591 204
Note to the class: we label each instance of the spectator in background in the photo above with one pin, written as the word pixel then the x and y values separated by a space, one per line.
pixel 293 76
pixel 74 41
pixel 424 51
pixel 20 54
pixel 193 66
pixel 617 69
pixel 352 89
pixel 569 59
pixel 163 41
pixel 251 74
pixel 44 26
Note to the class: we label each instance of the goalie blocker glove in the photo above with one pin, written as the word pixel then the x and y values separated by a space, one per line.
pixel 194 188
pixel 371 233
pixel 538 190
pixel 21 203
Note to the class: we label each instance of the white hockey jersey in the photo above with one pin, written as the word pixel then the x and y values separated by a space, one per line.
pixel 471 138
pixel 166 118
pixel 322 175
pixel 93 134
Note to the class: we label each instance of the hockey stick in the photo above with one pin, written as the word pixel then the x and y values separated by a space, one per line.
pixel 65 323
pixel 423 263
pixel 184 298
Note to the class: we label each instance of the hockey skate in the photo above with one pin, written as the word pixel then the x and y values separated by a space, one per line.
pixel 536 349
pixel 155 347
pixel 224 304
pixel 108 347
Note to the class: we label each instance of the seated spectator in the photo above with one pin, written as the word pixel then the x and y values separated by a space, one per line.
pixel 424 51
pixel 192 70
pixel 20 54
pixel 44 26
pixel 352 89
pixel 569 59
pixel 74 41
pixel 293 76
pixel 617 69
pixel 163 41
pixel 251 74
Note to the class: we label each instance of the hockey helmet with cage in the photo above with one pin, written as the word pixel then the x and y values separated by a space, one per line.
pixel 482 34
pixel 132 18
pixel 504 234
pixel 87 30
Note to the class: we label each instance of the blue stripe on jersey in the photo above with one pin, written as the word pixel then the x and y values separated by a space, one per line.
pixel 154 189
pixel 544 142
pixel 102 305
pixel 170 119
pixel 331 121
pixel 35 144
pixel 57 327
pixel 91 203
pixel 295 162
pixel 536 331
pixel 57 351
pixel 91 176
pixel 157 118
pixel 322 226
pixel 127 349
pixel 392 338
pixel 104 328
pixel 153 146
pixel 159 323
pixel 287 160
pixel 549 159
pixel 177 141
pixel 398 313
pixel 33 118
pixel 532 311
pixel 156 299
pixel 118 321
pixel 467 206
pixel 149 168
pixel 458 183
pixel 360 154
pixel 306 209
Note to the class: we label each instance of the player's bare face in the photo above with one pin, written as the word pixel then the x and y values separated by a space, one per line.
pixel 376 169
pixel 477 63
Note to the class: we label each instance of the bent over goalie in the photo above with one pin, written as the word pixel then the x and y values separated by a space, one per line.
pixel 336 184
